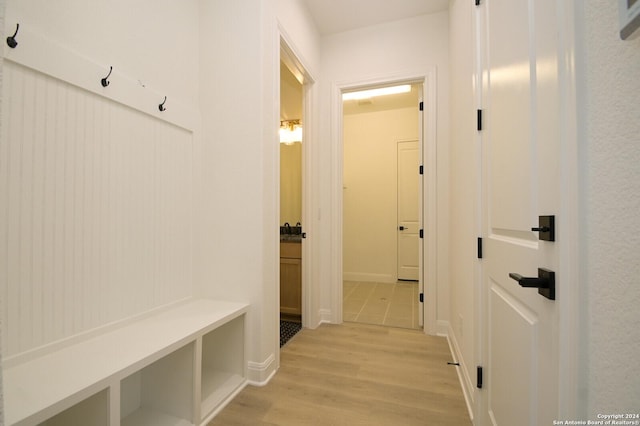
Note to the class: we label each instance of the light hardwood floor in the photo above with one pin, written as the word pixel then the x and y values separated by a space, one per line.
pixel 356 374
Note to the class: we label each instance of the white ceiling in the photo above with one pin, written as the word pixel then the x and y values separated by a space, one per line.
pixel 334 16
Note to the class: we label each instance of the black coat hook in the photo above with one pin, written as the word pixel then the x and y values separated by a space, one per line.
pixel 104 81
pixel 11 40
pixel 161 106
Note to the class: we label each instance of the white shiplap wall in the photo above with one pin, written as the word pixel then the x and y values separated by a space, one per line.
pixel 96 207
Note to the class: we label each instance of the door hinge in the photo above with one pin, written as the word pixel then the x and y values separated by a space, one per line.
pixel 479 378
pixel 479 124
pixel 421 297
pixel 422 233
pixel 421 106
pixel 421 171
pixel 477 2
pixel 479 247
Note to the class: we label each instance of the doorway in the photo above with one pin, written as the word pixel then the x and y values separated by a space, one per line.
pixel 291 193
pixel 295 290
pixel 381 207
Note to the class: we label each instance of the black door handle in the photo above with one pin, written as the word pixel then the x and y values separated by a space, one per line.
pixel 545 282
pixel 541 229
pixel 534 282
pixel 401 228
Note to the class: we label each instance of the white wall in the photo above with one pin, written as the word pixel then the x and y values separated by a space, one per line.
pixel 370 191
pixel 239 237
pixel 610 211
pixel 154 41
pixel 97 192
pixel 238 165
pixel 298 28
pixel 206 198
pixel 403 47
pixel 464 190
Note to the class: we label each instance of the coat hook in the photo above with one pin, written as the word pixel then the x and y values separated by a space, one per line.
pixel 11 40
pixel 104 81
pixel 161 106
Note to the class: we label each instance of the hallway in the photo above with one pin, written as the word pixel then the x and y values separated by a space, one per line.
pixel 139 172
pixel 355 374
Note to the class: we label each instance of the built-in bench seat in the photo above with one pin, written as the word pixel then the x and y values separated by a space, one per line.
pixel 177 366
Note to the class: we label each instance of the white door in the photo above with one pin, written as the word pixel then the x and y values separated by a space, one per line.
pixel 408 210
pixel 521 144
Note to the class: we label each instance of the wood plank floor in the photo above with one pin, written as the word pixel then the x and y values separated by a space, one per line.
pixel 355 374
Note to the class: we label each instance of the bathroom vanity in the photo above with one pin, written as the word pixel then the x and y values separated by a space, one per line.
pixel 290 275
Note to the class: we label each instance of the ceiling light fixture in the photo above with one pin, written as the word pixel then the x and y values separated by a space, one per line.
pixel 290 132
pixel 381 91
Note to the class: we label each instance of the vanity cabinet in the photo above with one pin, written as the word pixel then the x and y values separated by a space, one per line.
pixel 291 278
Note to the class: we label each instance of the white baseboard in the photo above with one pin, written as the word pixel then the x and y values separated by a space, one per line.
pixel 442 328
pixel 366 277
pixel 259 373
pixel 463 373
pixel 325 316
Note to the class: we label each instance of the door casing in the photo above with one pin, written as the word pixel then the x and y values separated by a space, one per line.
pixel 288 54
pixel 429 195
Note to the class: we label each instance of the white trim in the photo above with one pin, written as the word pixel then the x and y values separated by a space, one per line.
pixel 569 296
pixel 428 79
pixel 463 373
pixel 325 316
pixel 479 297
pixel 293 58
pixel 430 197
pixel 259 373
pixel 74 339
pixel 295 55
pixel 51 58
pixel 443 328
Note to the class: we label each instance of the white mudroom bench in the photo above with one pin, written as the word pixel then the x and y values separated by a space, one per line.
pixel 177 366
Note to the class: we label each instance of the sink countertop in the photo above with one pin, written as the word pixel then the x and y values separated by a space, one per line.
pixel 290 238
pixel 290 234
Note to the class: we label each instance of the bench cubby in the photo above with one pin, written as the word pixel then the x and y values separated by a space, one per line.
pixel 176 366
pixel 93 411
pixel 222 370
pixel 160 393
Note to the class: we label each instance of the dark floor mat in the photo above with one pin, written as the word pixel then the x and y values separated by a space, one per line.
pixel 287 330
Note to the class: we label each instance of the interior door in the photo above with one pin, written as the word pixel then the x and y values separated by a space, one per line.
pixel 521 142
pixel 408 210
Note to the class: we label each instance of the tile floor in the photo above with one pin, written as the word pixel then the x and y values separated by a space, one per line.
pixel 391 304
